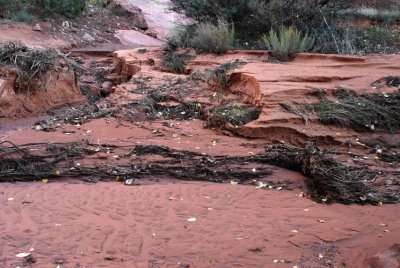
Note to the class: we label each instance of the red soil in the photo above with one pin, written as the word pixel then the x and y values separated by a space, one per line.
pixel 112 225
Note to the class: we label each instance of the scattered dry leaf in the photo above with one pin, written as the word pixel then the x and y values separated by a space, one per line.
pixel 128 182
pixel 23 255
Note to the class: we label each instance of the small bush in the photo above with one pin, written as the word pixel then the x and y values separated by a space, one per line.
pixel 22 16
pixel 379 39
pixel 286 42
pixel 175 62
pixel 102 3
pixel 181 37
pixel 41 8
pixel 213 38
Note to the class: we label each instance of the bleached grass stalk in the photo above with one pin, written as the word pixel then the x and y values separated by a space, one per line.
pixel 373 13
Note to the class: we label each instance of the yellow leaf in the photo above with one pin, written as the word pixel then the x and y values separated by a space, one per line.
pixel 380 203
pixel 117 178
pixel 45 180
pixel 192 219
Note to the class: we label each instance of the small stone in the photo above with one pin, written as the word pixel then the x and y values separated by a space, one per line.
pixel 87 37
pixel 128 182
pixel 107 87
pixel 66 24
pixel 192 219
pixel 38 128
pixel 37 27
pixel 389 182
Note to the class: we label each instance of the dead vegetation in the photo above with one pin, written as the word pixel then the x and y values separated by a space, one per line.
pixel 175 62
pixel 368 112
pixel 390 81
pixel 234 114
pixel 33 65
pixel 30 63
pixel 219 77
pixel 329 180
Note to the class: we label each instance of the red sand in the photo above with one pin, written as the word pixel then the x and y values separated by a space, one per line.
pixel 112 225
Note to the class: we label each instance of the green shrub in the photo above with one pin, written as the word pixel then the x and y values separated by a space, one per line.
pixel 69 8
pixel 213 38
pixel 102 3
pixel 379 39
pixel 22 16
pixel 252 17
pixel 243 13
pixel 285 43
pixel 22 9
pixel 181 37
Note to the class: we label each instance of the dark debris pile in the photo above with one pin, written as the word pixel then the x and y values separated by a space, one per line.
pixel 329 181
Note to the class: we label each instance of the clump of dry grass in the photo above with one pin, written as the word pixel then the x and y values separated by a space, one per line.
pixel 368 112
pixel 30 63
pixel 175 62
pixel 209 37
pixel 219 76
pixel 234 114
